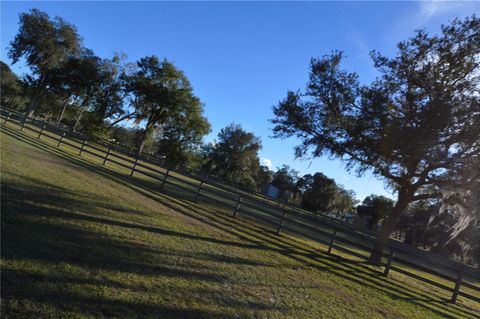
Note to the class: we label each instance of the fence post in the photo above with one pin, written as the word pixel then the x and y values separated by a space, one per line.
pixel 198 191
pixel 24 124
pixel 83 146
pixel 106 157
pixel 41 131
pixel 237 207
pixel 165 178
pixel 330 246
pixel 7 118
pixel 282 220
pixel 458 283
pixel 61 138
pixel 389 263
pixel 134 166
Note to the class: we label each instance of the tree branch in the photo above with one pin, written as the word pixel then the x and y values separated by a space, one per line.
pixel 128 116
pixel 425 196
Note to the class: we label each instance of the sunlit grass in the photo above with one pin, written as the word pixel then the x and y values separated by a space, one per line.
pixel 83 240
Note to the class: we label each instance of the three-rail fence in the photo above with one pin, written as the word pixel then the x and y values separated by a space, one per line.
pixel 457 278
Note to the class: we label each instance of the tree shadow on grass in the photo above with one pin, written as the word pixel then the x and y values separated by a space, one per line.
pixel 36 227
pixel 246 231
pixel 45 194
pixel 33 230
pixel 78 304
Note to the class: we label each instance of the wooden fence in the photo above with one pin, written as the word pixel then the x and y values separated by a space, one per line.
pixel 459 279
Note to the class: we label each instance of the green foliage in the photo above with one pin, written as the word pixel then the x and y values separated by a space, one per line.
pixel 12 91
pixel 80 75
pixel 375 209
pixel 110 94
pixel 428 93
pixel 264 175
pixel 318 192
pixel 428 226
pixel 93 128
pixel 162 96
pixel 285 178
pixel 125 136
pixel 181 137
pixel 49 107
pixel 344 201
pixel 45 44
pixel 234 157
pixel 75 86
pixel 64 71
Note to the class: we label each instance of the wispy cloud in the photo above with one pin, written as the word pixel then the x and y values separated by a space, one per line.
pixel 427 15
pixel 360 52
pixel 361 46
pixel 429 9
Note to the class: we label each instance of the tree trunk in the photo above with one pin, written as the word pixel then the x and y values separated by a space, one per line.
pixel 387 228
pixel 142 143
pixel 63 111
pixel 78 118
pixel 37 94
pixel 142 139
pixel 32 105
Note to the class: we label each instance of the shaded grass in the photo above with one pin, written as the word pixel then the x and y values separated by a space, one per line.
pixel 79 239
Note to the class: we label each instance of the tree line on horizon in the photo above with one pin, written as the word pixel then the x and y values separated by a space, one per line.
pixel 71 85
pixel 417 126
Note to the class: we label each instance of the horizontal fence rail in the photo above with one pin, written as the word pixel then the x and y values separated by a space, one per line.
pixel 335 234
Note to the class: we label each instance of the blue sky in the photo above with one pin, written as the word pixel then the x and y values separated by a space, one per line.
pixel 241 58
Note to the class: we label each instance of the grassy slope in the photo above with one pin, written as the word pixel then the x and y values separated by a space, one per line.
pixel 81 240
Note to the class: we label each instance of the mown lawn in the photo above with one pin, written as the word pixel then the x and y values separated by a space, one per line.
pixel 83 240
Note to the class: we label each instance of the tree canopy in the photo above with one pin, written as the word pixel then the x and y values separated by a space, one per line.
pixel 375 209
pixel 45 44
pixel 181 138
pixel 427 225
pixel 285 178
pixel 11 87
pixel 344 201
pixel 85 91
pixel 234 157
pixel 417 125
pixel 264 175
pixel 319 192
pixel 162 96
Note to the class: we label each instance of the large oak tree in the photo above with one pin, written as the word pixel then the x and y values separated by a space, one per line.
pixel 417 125
pixel 45 44
pixel 96 85
pixel 161 96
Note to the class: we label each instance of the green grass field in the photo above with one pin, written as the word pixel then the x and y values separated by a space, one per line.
pixel 83 240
